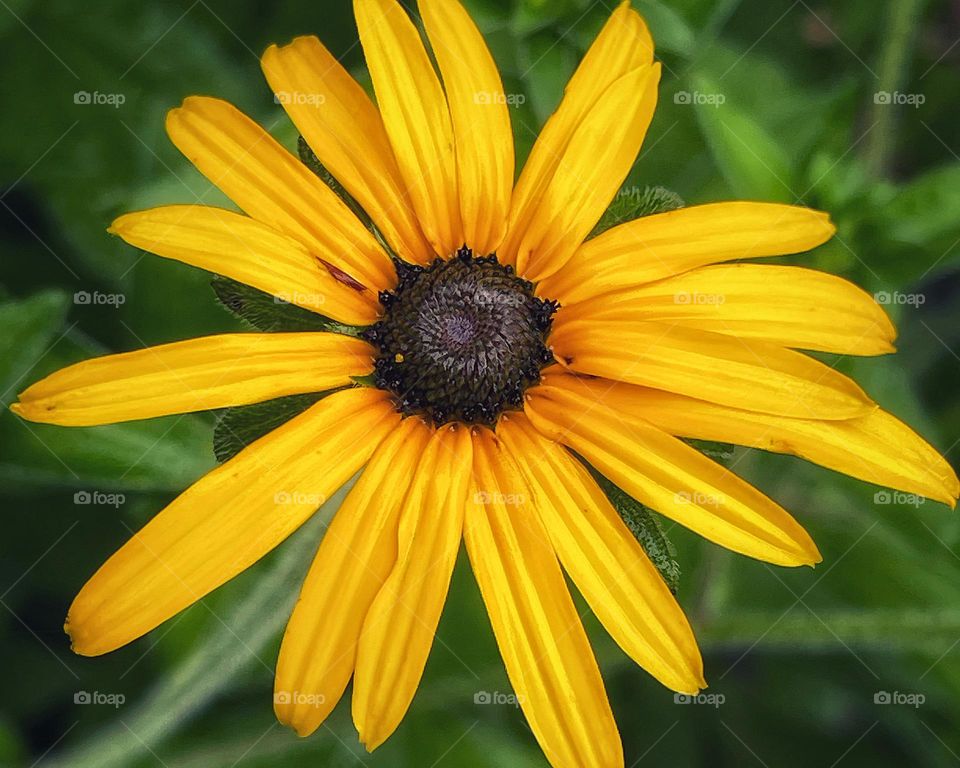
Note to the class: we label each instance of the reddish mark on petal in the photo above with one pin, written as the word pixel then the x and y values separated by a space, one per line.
pixel 340 276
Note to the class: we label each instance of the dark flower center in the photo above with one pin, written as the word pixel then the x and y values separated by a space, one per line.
pixel 460 340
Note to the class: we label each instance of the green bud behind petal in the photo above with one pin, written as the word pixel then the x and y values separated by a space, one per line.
pixel 633 203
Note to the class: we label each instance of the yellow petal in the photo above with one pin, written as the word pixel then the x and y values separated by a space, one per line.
pixel 243 249
pixel 196 375
pixel 416 117
pixel 228 520
pixel 740 373
pixel 668 475
pixel 605 560
pixel 481 122
pixel 544 647
pixel 624 45
pixel 274 187
pixel 355 557
pixel 787 306
pixel 877 447
pixel 400 625
pixel 345 131
pixel 594 166
pixel 653 247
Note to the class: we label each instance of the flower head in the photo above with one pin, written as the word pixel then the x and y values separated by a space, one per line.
pixel 485 355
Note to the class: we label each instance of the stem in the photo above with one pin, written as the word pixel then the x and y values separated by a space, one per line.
pixel 902 21
pixel 923 630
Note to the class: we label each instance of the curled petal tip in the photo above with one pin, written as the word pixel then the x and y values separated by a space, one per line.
pixel 691 687
pixel 78 645
pixel 809 555
pixel 303 730
pixel 370 743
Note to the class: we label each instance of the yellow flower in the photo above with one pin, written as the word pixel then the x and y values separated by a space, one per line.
pixel 501 342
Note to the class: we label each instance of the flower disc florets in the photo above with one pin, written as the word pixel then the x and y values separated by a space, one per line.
pixel 461 339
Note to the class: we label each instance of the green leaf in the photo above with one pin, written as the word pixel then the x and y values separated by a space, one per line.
pixel 669 29
pixel 800 115
pixel 271 314
pixel 546 63
pixel 29 328
pixel 754 164
pixel 633 202
pixel 646 527
pixel 926 209
pixel 165 454
pixel 533 15
pixel 237 427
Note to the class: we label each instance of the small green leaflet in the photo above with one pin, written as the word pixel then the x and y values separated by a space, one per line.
pixel 268 313
pixel 309 159
pixel 646 527
pixel 237 427
pixel 633 202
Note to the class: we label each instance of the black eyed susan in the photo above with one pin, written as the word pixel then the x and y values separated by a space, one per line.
pixel 499 344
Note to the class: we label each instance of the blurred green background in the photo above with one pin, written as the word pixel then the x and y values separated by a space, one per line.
pixel 849 107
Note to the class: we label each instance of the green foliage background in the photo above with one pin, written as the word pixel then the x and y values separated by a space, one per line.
pixel 798 657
